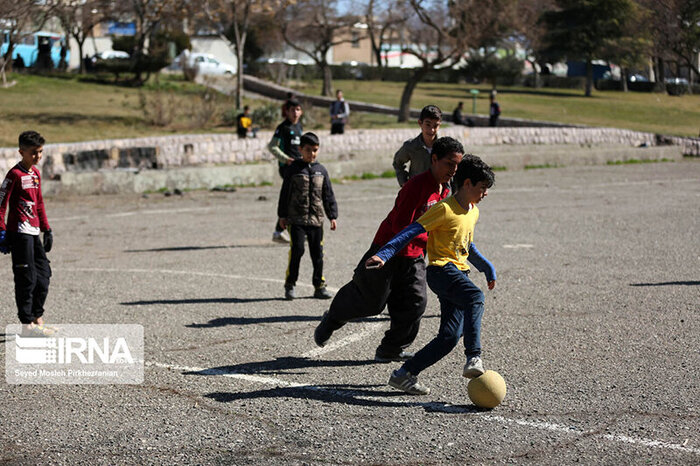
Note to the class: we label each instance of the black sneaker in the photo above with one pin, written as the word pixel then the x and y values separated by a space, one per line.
pixel 322 293
pixel 322 333
pixel 381 356
pixel 289 293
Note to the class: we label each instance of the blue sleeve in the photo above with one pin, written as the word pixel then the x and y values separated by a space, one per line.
pixel 481 263
pixel 400 241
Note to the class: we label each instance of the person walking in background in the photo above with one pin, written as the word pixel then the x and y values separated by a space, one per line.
pixel 340 111
pixel 494 110
pixel 244 124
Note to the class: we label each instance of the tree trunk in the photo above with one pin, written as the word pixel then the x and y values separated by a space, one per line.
pixel 405 107
pixel 327 90
pixel 239 76
pixel 660 75
pixel 623 78
pixel 589 77
pixel 80 54
pixel 8 56
pixel 535 74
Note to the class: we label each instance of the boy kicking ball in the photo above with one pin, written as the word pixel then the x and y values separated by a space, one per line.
pixel 26 219
pixel 450 224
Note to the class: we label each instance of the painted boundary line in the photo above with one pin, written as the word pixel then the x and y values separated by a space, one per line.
pixel 433 406
pixel 184 272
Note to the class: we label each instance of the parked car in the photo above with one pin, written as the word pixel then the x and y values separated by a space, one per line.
pixel 208 64
pixel 637 78
pixel 111 55
pixel 676 81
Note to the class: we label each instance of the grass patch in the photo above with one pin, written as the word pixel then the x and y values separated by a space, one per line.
pixel 636 161
pixel 545 165
pixel 499 168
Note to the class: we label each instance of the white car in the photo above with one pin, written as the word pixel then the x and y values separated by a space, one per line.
pixel 111 55
pixel 207 64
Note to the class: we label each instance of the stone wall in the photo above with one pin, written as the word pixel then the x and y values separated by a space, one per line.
pixel 223 149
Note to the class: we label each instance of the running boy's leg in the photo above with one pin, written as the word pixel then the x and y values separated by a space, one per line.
pixel 24 273
pixel 458 296
pixel 406 304
pixel 43 275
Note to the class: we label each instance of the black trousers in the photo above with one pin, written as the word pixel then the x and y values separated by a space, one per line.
pixel 314 235
pixel 278 227
pixel 399 285
pixel 337 128
pixel 32 275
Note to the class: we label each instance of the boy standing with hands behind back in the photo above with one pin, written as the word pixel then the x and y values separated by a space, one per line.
pixel 306 193
pixel 21 191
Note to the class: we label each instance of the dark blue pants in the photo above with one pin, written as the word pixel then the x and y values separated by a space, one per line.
pixel 461 309
pixel 32 274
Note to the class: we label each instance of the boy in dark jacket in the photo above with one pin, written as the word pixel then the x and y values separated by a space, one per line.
pixel 306 194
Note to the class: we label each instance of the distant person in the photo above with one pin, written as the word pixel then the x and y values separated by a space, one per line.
pixel 284 145
pixel 21 199
pixel 494 110
pixel 458 118
pixel 340 111
pixel 450 224
pixel 290 96
pixel 400 286
pixel 305 195
pixel 414 156
pixel 244 124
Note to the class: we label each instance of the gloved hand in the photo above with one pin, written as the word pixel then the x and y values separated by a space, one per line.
pixel 4 246
pixel 48 240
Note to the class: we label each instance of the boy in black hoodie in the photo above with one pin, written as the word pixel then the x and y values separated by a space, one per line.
pixel 305 195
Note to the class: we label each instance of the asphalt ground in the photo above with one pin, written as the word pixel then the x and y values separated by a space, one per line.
pixel 593 324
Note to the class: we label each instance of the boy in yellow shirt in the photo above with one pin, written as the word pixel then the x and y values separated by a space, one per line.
pixel 450 224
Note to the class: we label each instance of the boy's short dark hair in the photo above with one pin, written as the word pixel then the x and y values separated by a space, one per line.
pixel 444 146
pixel 30 139
pixel 430 111
pixel 309 139
pixel 291 103
pixel 474 169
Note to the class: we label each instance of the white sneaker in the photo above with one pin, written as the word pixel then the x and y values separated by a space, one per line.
pixel 408 383
pixel 280 237
pixel 473 368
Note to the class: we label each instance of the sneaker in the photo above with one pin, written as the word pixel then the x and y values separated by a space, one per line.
pixel 408 383
pixel 35 330
pixel 381 356
pixel 322 333
pixel 289 293
pixel 280 237
pixel 473 368
pixel 322 293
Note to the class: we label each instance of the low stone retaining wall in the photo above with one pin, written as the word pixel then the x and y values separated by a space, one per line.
pixel 215 149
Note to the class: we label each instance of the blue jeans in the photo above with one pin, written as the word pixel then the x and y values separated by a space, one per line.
pixel 461 308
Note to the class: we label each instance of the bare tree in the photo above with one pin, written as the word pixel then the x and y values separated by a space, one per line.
pixel 439 34
pixel 79 18
pixel 383 17
pixel 233 17
pixel 530 32
pixel 314 27
pixel 676 33
pixel 21 18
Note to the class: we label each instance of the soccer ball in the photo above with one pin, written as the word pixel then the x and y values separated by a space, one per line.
pixel 487 390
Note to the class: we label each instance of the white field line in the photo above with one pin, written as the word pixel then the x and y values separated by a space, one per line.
pixel 433 406
pixel 135 212
pixel 184 272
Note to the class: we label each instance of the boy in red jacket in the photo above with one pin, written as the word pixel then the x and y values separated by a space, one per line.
pixel 26 219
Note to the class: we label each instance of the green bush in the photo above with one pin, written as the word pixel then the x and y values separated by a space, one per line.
pixel 266 116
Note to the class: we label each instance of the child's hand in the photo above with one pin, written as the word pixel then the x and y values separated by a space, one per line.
pixel 283 223
pixel 492 284
pixel 374 262
pixel 334 224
